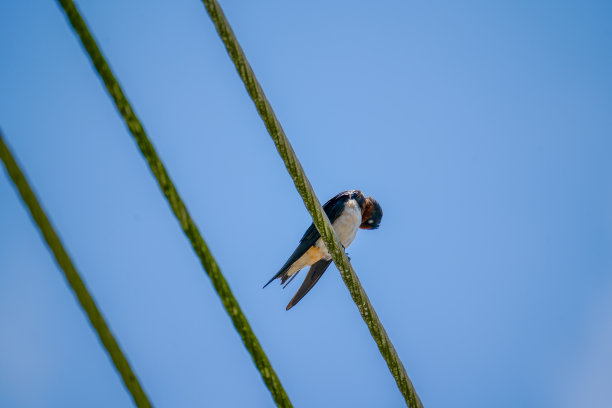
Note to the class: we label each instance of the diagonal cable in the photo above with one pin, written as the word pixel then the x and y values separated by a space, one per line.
pixel 178 207
pixel 72 276
pixel 312 203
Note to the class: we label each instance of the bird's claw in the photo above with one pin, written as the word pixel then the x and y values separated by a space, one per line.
pixel 345 253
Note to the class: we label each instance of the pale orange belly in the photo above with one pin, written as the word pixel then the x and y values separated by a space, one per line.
pixel 314 254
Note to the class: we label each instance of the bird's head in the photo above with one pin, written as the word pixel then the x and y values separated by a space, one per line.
pixel 371 214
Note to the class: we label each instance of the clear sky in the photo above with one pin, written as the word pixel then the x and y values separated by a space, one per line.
pixel 484 129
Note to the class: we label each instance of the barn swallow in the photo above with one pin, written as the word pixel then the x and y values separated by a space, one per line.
pixel 347 212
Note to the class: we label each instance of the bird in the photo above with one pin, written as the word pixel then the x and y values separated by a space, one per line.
pixel 347 211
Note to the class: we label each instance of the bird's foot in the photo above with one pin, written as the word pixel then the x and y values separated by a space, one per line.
pixel 346 253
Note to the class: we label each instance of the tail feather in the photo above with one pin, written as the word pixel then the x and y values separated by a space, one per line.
pixel 314 274
pixel 270 281
pixel 281 274
pixel 289 281
pixel 299 251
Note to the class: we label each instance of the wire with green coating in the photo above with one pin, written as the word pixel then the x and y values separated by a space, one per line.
pixel 72 277
pixel 177 205
pixel 312 203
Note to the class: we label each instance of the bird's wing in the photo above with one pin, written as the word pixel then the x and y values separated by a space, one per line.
pixel 333 208
pixel 315 272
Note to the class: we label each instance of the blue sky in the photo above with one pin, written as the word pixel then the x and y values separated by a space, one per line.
pixel 483 129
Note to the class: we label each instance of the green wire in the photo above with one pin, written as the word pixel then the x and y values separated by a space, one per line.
pixel 72 276
pixel 178 207
pixel 312 203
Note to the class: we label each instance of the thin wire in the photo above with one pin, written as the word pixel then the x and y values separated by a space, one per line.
pixel 312 203
pixel 178 207
pixel 73 278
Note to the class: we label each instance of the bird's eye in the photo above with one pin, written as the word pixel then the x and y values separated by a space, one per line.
pixel 371 222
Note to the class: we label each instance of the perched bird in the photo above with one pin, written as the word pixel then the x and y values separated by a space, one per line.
pixel 347 212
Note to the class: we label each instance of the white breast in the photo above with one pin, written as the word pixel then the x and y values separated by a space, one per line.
pixel 346 225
